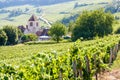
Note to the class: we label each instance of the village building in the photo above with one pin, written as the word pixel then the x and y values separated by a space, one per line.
pixel 33 27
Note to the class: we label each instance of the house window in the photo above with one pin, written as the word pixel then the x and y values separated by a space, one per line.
pixel 37 24
pixel 31 23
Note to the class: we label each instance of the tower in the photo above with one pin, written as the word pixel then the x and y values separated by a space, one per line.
pixel 33 24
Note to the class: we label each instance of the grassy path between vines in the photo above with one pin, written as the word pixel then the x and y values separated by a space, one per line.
pixel 114 74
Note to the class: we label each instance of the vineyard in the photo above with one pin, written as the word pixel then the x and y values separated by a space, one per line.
pixel 83 60
pixel 17 54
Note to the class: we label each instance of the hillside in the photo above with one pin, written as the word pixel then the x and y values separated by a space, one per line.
pixel 45 61
pixel 19 14
pixel 95 55
pixel 6 3
pixel 114 7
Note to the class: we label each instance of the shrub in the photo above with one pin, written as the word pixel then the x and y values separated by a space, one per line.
pixel 12 34
pixel 25 38
pixel 3 38
pixel 57 31
pixel 117 31
pixel 20 34
pixel 29 37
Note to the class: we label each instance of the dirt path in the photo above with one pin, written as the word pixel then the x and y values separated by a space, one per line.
pixel 112 75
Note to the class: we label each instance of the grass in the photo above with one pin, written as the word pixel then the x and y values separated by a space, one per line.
pixel 116 64
pixel 117 23
pixel 18 53
pixel 116 26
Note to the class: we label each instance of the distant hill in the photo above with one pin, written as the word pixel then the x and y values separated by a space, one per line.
pixel 114 7
pixel 17 12
pixel 7 3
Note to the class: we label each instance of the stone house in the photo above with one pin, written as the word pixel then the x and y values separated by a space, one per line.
pixel 34 28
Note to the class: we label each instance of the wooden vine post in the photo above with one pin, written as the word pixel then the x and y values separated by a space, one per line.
pixel 61 75
pixel 96 76
pixel 88 65
pixel 79 68
pixel 74 68
pixel 111 54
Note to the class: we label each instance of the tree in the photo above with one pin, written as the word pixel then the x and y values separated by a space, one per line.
pixel 92 24
pixel 25 38
pixel 117 31
pixel 20 34
pixel 3 38
pixel 71 26
pixel 12 34
pixel 57 31
pixel 29 37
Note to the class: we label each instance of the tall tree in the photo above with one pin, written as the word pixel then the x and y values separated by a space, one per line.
pixel 57 31
pixel 12 34
pixel 92 24
pixel 3 38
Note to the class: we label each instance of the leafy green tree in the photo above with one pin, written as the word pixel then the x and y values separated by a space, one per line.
pixel 25 38
pixel 20 34
pixel 71 26
pixel 12 34
pixel 29 37
pixel 3 38
pixel 92 24
pixel 117 31
pixel 57 31
pixel 32 37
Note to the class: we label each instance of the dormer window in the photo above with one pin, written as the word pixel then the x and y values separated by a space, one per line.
pixel 31 23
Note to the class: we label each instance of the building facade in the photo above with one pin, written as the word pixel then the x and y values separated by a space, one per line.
pixel 32 26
